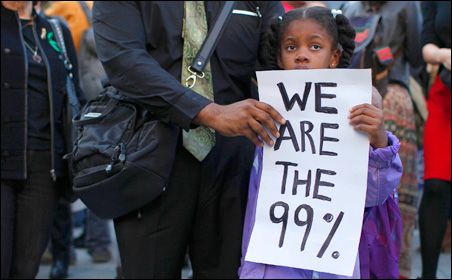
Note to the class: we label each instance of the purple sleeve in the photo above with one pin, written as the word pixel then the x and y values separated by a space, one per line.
pixel 384 172
pixel 249 269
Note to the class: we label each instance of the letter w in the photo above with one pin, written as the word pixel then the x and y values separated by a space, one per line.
pixel 296 98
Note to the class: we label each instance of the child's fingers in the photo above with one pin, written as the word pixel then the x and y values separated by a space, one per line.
pixel 369 129
pixel 364 119
pixel 362 106
pixel 365 109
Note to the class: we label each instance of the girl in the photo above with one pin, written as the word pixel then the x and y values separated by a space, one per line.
pixel 314 38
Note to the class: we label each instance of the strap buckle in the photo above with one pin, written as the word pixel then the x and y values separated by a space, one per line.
pixel 191 80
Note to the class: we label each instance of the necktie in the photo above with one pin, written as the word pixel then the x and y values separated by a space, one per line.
pixel 201 140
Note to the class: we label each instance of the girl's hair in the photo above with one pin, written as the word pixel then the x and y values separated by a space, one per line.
pixel 340 29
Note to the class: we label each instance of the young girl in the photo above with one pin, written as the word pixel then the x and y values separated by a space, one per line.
pixel 314 38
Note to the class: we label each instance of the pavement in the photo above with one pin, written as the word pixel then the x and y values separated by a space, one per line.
pixel 85 269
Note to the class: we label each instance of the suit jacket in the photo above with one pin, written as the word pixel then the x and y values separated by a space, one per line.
pixel 140 45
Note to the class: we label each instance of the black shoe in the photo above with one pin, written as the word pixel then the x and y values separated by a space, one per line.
pixel 58 270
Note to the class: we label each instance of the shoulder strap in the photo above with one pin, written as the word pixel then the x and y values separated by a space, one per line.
pixel 70 87
pixel 86 11
pixel 56 27
pixel 206 50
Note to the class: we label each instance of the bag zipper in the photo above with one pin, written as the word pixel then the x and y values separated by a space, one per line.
pixel 119 153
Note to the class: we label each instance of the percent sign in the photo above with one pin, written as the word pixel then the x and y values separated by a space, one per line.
pixel 307 222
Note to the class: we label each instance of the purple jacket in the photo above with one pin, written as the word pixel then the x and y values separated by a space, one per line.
pixel 379 246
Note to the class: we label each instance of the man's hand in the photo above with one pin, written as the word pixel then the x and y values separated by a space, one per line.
pixel 369 118
pixel 250 118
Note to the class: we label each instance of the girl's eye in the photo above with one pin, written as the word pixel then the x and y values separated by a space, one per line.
pixel 290 48
pixel 316 47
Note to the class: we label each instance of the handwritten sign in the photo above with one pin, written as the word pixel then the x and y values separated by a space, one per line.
pixel 312 192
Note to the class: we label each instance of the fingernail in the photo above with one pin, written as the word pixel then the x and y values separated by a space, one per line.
pixel 283 121
pixel 277 135
pixel 271 143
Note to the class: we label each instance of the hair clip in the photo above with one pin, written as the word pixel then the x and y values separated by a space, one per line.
pixel 280 18
pixel 335 12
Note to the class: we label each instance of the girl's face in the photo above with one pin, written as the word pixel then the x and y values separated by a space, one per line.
pixel 306 44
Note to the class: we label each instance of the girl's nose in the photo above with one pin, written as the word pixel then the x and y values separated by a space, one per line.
pixel 301 57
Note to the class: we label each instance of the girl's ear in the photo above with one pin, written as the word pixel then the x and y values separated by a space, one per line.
pixel 335 58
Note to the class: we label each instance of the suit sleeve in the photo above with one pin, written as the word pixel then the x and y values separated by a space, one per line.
pixel 428 27
pixel 121 46
pixel 413 25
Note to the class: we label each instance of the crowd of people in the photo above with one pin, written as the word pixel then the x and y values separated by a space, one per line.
pixel 208 209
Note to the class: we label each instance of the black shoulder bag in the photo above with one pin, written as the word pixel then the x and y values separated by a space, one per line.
pixel 117 157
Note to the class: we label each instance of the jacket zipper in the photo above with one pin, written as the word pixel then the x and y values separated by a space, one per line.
pixel 26 96
pixel 52 121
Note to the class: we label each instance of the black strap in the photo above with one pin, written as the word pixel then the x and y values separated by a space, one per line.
pixel 86 11
pixel 206 50
pixel 56 27
pixel 70 86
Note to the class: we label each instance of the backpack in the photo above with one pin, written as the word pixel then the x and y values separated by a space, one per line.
pixel 371 50
pixel 122 157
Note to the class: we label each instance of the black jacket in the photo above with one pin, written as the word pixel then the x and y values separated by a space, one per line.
pixel 14 73
pixel 140 46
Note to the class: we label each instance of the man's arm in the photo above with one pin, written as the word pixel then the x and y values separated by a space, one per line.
pixel 413 21
pixel 121 45
pixel 120 41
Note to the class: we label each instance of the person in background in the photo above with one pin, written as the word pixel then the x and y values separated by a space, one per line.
pixel 435 205
pixel 95 236
pixel 317 38
pixel 401 31
pixel 60 251
pixel 34 133
pixel 72 12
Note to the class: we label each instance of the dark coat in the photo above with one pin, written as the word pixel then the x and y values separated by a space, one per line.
pixel 140 46
pixel 14 73
pixel 143 54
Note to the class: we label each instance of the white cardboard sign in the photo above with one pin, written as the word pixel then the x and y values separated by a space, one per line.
pixel 312 192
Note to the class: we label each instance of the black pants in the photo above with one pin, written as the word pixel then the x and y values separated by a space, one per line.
pixel 61 234
pixel 202 208
pixel 27 215
pixel 433 216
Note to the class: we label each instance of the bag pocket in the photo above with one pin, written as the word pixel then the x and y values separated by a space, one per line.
pixel 129 189
pixel 95 174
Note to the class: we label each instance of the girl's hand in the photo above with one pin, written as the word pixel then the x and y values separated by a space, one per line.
pixel 369 118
